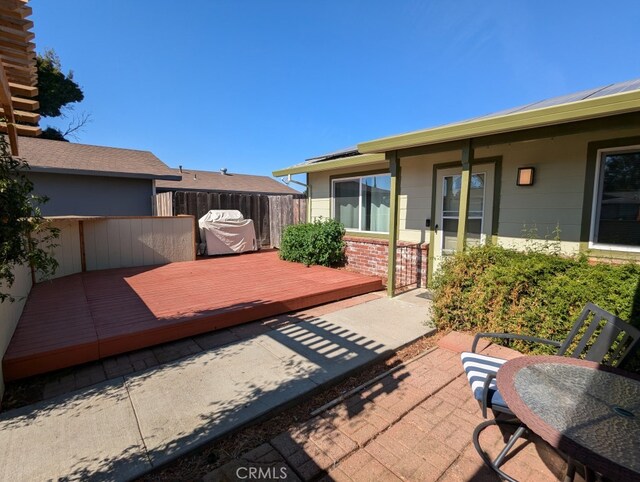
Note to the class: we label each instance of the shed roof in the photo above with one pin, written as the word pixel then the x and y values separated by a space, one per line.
pixel 44 155
pixel 195 180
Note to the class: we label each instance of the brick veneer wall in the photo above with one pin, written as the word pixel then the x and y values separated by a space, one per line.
pixel 370 256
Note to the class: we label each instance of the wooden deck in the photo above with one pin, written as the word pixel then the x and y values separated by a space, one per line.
pixel 88 316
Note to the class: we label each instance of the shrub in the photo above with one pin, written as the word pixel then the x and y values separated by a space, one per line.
pixel 319 242
pixel 25 236
pixel 537 294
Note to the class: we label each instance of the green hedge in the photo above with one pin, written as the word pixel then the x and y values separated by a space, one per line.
pixel 320 242
pixel 494 289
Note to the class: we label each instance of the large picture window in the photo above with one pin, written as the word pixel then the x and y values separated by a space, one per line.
pixel 362 203
pixel 617 201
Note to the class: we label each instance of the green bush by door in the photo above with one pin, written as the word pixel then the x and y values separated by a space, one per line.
pixel 319 242
pixel 498 290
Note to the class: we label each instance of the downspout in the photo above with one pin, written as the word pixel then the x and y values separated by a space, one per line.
pixel 308 199
pixel 394 169
pixel 288 180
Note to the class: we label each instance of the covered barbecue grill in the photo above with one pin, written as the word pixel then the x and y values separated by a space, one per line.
pixel 226 232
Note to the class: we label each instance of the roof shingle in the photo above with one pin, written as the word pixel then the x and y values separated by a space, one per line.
pixel 193 180
pixel 44 155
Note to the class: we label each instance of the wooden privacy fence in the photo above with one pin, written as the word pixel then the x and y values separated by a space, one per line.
pixel 270 214
pixel 283 211
pixel 162 204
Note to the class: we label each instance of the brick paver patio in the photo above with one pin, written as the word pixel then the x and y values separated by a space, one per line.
pixel 415 424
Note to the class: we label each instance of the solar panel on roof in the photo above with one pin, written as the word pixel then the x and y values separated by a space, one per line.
pixel 616 88
pixel 619 87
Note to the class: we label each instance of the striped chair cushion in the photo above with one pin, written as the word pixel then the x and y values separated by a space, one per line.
pixel 477 367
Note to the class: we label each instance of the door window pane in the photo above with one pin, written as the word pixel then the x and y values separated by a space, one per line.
pixel 449 235
pixel 474 231
pixel 451 211
pixel 619 200
pixel 376 194
pixel 476 196
pixel 451 195
pixel 347 203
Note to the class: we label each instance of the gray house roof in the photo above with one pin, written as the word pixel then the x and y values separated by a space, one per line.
pixel 612 99
pixel 57 157
pixel 602 101
pixel 610 89
pixel 193 180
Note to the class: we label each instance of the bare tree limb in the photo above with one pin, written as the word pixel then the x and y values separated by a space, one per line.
pixel 77 125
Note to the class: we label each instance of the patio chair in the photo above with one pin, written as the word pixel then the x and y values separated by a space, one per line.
pixel 597 336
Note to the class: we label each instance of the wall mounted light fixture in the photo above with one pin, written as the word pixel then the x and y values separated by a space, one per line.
pixel 525 176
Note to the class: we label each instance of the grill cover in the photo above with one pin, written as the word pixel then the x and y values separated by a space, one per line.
pixel 227 232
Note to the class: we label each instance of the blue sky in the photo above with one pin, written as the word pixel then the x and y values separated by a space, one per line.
pixel 258 85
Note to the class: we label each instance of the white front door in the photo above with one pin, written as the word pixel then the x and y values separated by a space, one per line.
pixel 445 224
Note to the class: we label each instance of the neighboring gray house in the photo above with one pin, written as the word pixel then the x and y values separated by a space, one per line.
pixel 86 180
pixel 223 181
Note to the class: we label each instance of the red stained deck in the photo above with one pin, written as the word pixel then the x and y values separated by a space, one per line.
pixel 88 316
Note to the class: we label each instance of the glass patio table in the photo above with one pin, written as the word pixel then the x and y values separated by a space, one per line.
pixel 588 411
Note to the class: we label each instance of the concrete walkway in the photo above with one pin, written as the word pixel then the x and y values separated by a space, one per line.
pixel 119 429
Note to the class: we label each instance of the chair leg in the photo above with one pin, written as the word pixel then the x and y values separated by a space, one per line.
pixel 589 474
pixel 512 440
pixel 571 470
pixel 495 464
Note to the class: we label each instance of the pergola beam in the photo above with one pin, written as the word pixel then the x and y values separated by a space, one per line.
pixel 7 108
pixel 23 89
pixel 15 13
pixel 21 129
pixel 25 104
pixel 16 35
pixel 18 73
pixel 23 116
pixel 13 44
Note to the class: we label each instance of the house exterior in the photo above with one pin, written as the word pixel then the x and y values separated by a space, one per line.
pixel 87 180
pixel 222 181
pixel 565 168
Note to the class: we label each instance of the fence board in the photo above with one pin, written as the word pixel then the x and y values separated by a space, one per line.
pixel 162 204
pixel 263 202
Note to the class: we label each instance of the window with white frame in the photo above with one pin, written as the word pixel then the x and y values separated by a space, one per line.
pixel 362 203
pixel 616 220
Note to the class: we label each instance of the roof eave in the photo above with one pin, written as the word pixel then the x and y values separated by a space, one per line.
pixel 351 161
pixel 559 114
pixel 187 189
pixel 88 172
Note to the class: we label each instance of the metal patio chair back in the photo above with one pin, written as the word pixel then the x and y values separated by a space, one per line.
pixel 600 337
pixel 597 336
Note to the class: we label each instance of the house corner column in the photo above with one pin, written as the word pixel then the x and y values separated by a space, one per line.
pixel 394 169
pixel 465 188
pixel 309 199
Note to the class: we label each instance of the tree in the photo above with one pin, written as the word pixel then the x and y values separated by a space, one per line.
pixel 25 236
pixel 56 91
